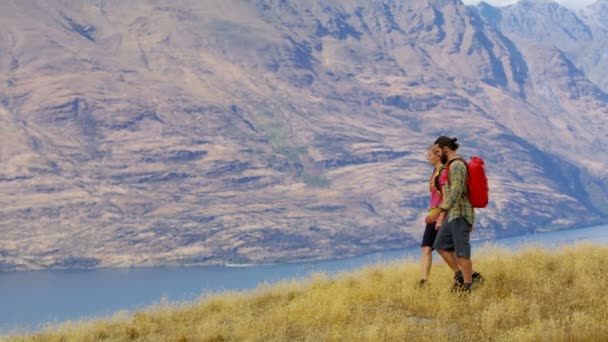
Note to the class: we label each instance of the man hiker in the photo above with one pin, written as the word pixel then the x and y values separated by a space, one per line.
pixel 452 241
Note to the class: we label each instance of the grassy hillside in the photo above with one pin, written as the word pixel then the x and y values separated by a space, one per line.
pixel 531 295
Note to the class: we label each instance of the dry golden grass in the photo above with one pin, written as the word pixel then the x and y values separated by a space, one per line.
pixel 531 295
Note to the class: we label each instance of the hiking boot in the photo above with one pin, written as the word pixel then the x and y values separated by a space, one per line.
pixel 478 278
pixel 422 283
pixel 458 278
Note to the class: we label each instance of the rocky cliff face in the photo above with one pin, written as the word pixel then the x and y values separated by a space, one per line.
pixel 147 133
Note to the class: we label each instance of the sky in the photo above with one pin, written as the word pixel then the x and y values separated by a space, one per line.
pixel 573 4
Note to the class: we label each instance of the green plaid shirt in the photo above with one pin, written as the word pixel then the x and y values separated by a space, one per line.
pixel 457 203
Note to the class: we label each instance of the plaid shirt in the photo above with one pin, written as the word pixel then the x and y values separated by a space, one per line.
pixel 457 203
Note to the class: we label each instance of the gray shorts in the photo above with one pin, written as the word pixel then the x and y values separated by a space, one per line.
pixel 454 236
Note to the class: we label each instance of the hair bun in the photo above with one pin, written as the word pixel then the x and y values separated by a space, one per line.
pixel 454 140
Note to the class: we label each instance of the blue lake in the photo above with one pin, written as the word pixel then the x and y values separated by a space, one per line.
pixel 30 300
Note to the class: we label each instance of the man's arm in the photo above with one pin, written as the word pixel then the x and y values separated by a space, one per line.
pixel 457 177
pixel 440 220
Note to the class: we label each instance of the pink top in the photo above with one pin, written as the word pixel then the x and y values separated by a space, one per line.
pixel 435 194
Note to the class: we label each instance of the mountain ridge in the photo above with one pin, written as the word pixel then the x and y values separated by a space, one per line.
pixel 269 131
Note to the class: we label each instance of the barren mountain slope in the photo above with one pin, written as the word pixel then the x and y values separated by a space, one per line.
pixel 146 133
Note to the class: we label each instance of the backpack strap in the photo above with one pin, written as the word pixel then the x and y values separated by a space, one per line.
pixel 436 178
pixel 450 163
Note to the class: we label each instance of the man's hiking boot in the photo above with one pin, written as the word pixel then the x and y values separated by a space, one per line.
pixel 458 278
pixel 460 286
pixel 422 283
pixel 477 278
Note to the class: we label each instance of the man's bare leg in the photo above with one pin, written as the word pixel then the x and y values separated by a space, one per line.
pixel 450 259
pixel 467 269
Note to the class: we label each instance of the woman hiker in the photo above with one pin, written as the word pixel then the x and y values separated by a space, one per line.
pixel 432 220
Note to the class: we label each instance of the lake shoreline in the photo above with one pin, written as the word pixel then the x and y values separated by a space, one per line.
pixel 295 261
pixel 39 297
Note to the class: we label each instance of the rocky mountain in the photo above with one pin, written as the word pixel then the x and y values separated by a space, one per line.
pixel 249 131
pixel 580 36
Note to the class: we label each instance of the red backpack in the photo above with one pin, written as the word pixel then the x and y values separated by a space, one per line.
pixel 477 182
